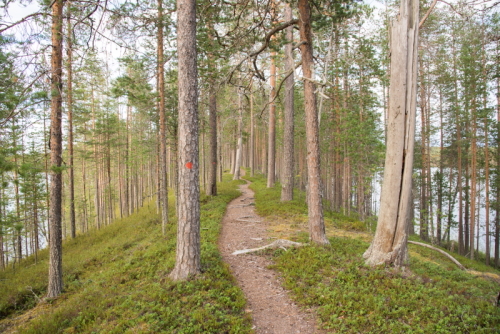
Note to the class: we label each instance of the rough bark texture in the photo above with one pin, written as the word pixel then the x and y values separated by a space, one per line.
pixel 271 159
pixel 314 201
pixel 212 122
pixel 55 233
pixel 239 145
pixel 288 161
pixel 70 127
pixel 390 242
pixel 188 230
pixel 163 191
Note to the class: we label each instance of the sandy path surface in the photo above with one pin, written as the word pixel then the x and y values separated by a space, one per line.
pixel 269 304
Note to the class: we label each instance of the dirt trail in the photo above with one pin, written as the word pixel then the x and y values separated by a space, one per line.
pixel 269 304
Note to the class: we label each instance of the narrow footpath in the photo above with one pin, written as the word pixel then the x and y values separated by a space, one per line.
pixel 270 306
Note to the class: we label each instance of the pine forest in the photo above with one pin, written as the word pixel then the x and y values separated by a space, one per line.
pixel 368 130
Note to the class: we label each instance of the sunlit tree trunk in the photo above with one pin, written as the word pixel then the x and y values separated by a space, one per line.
pixel 389 245
pixel 252 135
pixel 55 284
pixel 271 155
pixel 239 144
pixel 288 133
pixel 188 230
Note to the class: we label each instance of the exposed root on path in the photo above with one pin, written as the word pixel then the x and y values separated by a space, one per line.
pixel 280 243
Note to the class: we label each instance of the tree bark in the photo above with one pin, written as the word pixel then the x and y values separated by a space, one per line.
pixel 70 126
pixel 212 122
pixel 188 230
pixel 314 203
pixel 288 149
pixel 55 285
pixel 163 191
pixel 239 145
pixel 271 158
pixel 389 245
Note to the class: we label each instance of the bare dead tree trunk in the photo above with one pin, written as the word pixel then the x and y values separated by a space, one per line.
pixel 288 149
pixel 188 230
pixel 390 242
pixel 55 286
pixel 315 206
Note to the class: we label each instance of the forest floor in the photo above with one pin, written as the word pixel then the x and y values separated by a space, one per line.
pixel 268 302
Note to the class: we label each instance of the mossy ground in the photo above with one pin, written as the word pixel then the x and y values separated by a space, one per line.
pixel 431 296
pixel 116 281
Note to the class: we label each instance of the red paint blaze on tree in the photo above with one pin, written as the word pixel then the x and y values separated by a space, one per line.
pixel 188 228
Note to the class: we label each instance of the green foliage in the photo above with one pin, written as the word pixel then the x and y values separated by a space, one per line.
pixel 116 281
pixel 268 203
pixel 432 296
pixel 352 298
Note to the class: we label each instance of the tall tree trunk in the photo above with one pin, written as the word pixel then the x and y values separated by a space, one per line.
pixel 2 256
pixel 19 242
pixel 69 73
pixel 439 221
pixel 315 206
pixel 128 187
pixel 390 242
pixel 239 145
pixel 188 230
pixel 55 286
pixel 252 134
pixel 288 131
pixel 461 240
pixel 424 201
pixel 211 189
pixel 473 189
pixel 497 205
pixel 163 191
pixel 271 158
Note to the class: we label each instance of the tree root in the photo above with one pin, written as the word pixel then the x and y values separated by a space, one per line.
pixel 280 243
pixel 440 251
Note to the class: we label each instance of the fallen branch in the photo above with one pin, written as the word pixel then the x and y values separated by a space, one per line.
pixel 280 243
pixel 440 251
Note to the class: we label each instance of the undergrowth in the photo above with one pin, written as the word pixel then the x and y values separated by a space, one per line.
pixel 431 296
pixel 116 281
